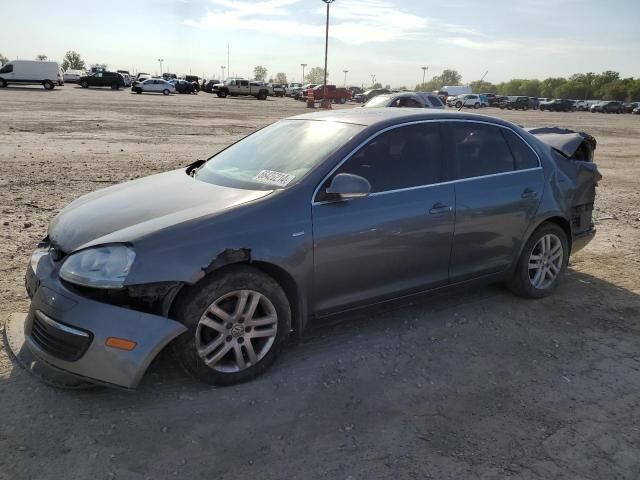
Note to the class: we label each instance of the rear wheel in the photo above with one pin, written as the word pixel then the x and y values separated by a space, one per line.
pixel 84 84
pixel 237 322
pixel 476 105
pixel 48 85
pixel 262 95
pixel 458 104
pixel 542 262
pixel 115 86
pixel 165 91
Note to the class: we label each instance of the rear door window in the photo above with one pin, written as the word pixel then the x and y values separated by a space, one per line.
pixel 522 153
pixel 435 101
pixel 6 69
pixel 477 150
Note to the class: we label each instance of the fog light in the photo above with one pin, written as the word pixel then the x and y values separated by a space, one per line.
pixel 120 343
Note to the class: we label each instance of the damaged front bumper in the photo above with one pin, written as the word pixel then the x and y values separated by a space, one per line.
pixel 73 333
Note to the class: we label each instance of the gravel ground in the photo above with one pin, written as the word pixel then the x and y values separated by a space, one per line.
pixel 460 385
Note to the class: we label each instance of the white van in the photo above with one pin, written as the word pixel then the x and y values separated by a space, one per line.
pixel 31 72
pixel 72 76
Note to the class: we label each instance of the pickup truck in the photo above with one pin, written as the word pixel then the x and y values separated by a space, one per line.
pixel 335 94
pixel 241 87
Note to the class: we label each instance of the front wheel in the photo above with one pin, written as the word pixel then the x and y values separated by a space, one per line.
pixel 48 85
pixel 222 94
pixel 138 91
pixel 115 86
pixel 165 91
pixel 476 105
pixel 543 260
pixel 262 95
pixel 237 322
pixel 458 104
pixel 84 84
pixel 3 83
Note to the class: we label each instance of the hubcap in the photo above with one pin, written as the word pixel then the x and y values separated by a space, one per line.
pixel 545 261
pixel 236 331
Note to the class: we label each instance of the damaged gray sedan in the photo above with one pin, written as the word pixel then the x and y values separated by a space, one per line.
pixel 310 216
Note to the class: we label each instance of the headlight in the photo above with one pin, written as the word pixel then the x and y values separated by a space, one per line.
pixel 99 267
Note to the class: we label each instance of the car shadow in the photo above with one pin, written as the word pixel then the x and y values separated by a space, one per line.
pixel 430 315
pixel 31 88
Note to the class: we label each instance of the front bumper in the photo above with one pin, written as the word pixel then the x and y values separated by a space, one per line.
pixel 68 331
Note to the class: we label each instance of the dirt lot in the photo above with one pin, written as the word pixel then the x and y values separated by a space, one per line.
pixel 468 385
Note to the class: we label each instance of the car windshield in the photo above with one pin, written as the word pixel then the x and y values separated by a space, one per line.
pixel 277 156
pixel 379 101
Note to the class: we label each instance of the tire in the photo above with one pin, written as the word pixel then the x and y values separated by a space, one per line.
pixel 342 100
pixel 138 91
pixel 3 83
pixel 476 106
pixel 458 104
pixel 165 91
pixel 229 337
pixel 48 85
pixel 115 86
pixel 521 282
pixel 262 95
pixel 525 108
pixel 222 94
pixel 84 84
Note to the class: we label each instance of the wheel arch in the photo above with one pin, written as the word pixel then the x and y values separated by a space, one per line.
pixel 284 278
pixel 555 218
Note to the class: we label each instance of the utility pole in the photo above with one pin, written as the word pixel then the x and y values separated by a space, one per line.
pixel 325 102
pixel 373 79
pixel 228 70
pixel 303 65
pixel 160 60
pixel 424 73
pixel 345 77
pixel 222 67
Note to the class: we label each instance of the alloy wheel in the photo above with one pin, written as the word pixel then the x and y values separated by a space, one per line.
pixel 545 261
pixel 236 331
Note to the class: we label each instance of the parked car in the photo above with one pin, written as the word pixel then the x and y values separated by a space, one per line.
pixel 154 85
pixel 300 93
pixel 102 79
pixel 334 94
pixel 291 87
pixel 636 111
pixel 369 94
pixel 277 89
pixel 242 87
pixel 195 80
pixel 607 107
pixel 141 76
pixel 209 86
pixel 492 99
pixel 515 103
pixel 557 105
pixel 126 77
pixel 630 106
pixel 223 259
pixel 405 99
pixel 469 100
pixel 31 72
pixel 184 86
pixel 534 104
pixel 72 76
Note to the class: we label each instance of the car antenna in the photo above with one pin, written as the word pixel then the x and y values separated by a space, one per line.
pixel 465 100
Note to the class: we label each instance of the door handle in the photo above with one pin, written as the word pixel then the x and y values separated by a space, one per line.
pixel 440 208
pixel 529 193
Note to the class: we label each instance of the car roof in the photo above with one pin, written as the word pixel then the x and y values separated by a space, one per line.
pixel 390 116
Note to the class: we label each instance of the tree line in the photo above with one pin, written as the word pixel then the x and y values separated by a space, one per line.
pixel 580 86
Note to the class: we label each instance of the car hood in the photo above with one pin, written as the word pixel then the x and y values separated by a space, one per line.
pixel 132 210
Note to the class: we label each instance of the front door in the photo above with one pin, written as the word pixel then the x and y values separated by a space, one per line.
pixel 398 239
pixel 498 185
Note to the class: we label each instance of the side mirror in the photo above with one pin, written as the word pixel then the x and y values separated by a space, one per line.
pixel 348 185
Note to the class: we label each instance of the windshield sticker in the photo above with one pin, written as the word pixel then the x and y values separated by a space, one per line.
pixel 274 178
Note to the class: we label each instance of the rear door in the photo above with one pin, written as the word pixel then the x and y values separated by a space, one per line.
pixel 498 185
pixel 396 240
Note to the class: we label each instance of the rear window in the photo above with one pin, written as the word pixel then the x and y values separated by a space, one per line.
pixel 435 101
pixel 522 153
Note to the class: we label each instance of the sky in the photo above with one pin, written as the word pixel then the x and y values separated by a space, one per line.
pixel 391 39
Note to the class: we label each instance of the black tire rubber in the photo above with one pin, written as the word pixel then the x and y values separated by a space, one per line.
pixel 262 95
pixel 458 104
pixel 115 86
pixel 165 91
pixel 84 84
pixel 48 85
pixel 476 106
pixel 519 283
pixel 222 94
pixel 138 91
pixel 192 303
pixel 3 83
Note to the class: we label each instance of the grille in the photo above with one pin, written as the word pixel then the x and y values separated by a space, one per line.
pixel 57 339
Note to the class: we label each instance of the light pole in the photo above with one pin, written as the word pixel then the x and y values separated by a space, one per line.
pixel 424 73
pixel 345 76
pixel 222 67
pixel 160 60
pixel 325 102
pixel 303 65
pixel 373 79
